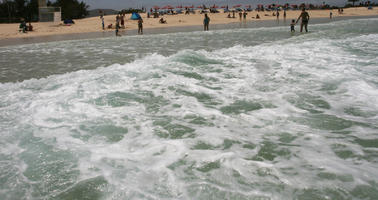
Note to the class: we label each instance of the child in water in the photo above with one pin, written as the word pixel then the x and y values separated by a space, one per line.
pixel 292 25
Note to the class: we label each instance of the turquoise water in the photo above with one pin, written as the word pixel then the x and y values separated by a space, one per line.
pixel 253 113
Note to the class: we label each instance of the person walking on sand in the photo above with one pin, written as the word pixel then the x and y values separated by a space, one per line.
pixel 240 15
pixel 140 26
pixel 305 18
pixel 206 22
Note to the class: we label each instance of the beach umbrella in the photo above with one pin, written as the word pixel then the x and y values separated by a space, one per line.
pixel 237 6
pixel 156 7
pixel 199 6
pixel 223 6
pixel 179 6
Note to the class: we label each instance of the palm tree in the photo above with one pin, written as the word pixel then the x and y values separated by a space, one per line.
pixel 9 10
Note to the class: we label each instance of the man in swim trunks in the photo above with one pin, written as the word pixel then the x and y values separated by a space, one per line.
pixel 305 18
pixel 140 26
pixel 206 22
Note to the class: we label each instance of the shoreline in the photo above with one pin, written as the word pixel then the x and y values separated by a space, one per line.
pixel 169 29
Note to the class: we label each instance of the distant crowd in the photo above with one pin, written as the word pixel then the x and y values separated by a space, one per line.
pixel 120 19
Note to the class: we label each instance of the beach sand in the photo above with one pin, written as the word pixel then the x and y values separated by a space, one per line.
pixel 93 24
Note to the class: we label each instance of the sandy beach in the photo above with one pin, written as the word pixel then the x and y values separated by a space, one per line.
pixel 93 24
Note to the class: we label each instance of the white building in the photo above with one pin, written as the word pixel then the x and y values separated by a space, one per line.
pixel 48 14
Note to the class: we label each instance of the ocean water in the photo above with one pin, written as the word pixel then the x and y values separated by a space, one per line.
pixel 253 113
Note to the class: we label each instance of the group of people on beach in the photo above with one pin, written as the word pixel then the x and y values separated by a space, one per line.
pixel 120 21
pixel 120 24
pixel 25 28
pixel 305 18
pixel 304 23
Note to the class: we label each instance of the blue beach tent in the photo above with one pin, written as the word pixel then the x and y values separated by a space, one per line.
pixel 135 16
pixel 68 21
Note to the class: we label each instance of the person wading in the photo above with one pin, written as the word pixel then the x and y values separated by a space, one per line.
pixel 305 18
pixel 140 26
pixel 206 22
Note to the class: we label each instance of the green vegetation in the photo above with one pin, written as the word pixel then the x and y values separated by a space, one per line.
pixel 11 11
pixel 71 9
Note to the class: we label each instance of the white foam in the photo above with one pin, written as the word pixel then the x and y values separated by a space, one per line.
pixel 59 106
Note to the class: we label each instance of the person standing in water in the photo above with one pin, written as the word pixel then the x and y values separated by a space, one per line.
pixel 117 27
pixel 140 26
pixel 305 18
pixel 103 22
pixel 292 26
pixel 206 22
pixel 122 17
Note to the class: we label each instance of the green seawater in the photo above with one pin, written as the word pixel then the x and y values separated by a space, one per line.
pixel 252 113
